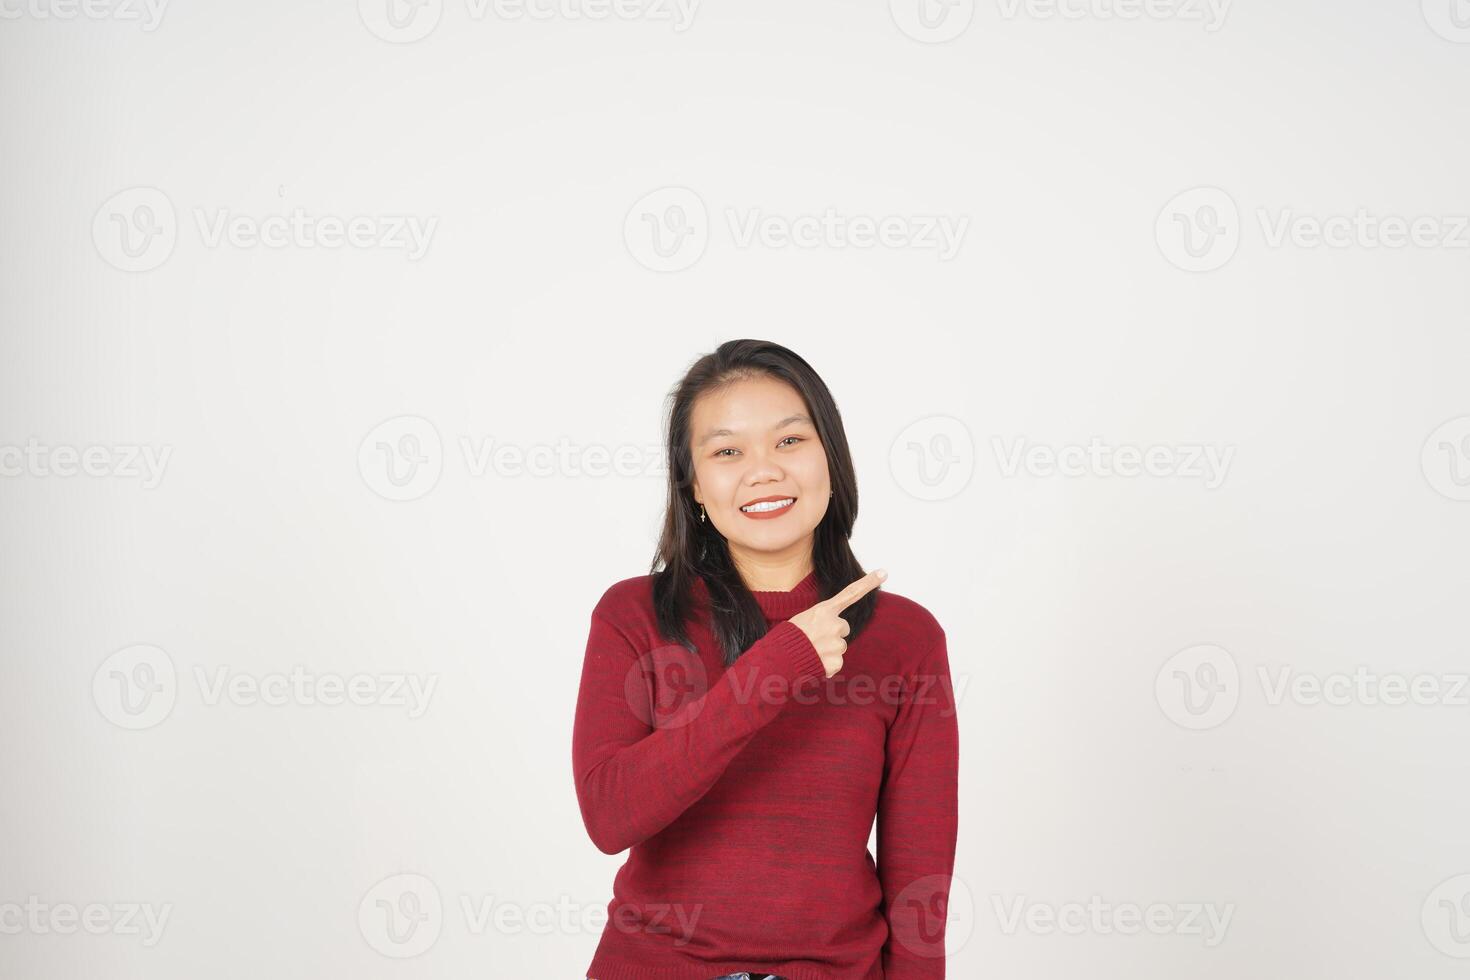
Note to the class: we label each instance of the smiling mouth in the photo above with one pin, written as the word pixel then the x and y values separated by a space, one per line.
pixel 767 506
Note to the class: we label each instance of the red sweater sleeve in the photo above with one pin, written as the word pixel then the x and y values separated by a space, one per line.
pixel 636 775
pixel 918 813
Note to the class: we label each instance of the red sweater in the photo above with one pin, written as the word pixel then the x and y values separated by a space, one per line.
pixel 747 794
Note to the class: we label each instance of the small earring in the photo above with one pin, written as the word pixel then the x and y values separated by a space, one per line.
pixel 701 513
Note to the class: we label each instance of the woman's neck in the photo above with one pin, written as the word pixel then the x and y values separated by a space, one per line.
pixel 767 574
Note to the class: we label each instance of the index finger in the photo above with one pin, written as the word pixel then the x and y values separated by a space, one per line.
pixel 858 589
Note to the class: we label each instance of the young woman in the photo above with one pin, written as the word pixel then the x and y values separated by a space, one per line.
pixel 751 706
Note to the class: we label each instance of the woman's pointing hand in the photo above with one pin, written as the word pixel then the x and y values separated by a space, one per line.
pixel 823 623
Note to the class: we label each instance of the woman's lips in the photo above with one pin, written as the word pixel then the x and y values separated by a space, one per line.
pixel 766 515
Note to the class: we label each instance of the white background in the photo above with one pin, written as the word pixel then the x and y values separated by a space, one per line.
pixel 1334 540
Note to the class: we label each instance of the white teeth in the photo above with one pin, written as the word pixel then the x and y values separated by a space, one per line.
pixel 768 505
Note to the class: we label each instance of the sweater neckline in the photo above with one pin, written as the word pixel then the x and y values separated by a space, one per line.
pixel 778 604
pixel 783 604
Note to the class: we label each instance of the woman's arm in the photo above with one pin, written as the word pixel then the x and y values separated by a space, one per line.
pixel 918 818
pixel 634 777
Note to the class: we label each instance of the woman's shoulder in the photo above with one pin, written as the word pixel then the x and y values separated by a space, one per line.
pixel 625 594
pixel 905 622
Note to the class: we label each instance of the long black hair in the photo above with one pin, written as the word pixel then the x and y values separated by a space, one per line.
pixel 690 549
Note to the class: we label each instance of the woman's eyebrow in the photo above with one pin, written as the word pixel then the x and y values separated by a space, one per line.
pixel 716 433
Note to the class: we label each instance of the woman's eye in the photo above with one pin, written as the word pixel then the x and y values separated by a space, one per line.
pixel 732 449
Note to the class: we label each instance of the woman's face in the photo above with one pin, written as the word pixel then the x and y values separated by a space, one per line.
pixel 751 441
